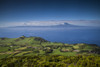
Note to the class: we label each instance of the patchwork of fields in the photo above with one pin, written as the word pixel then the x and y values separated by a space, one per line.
pixel 33 46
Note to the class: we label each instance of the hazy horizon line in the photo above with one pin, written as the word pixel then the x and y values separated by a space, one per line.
pixel 52 22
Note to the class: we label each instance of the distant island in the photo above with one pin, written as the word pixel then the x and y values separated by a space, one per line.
pixel 64 25
pixel 37 47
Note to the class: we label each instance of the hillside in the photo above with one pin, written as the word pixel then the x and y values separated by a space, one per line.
pixel 33 46
pixel 38 52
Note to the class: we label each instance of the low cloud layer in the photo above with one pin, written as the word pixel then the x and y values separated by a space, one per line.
pixel 43 23
pixel 51 23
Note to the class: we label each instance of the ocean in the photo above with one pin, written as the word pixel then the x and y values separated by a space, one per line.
pixel 70 35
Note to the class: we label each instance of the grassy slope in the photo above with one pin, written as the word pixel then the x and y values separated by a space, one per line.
pixel 37 46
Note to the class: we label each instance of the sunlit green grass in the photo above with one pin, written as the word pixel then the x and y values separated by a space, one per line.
pixel 3 55
pixel 32 46
pixel 3 49
pixel 57 52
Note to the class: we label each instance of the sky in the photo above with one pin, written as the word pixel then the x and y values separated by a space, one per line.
pixel 22 11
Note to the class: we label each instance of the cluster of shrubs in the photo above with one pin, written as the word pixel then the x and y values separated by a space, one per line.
pixel 40 39
pixel 51 61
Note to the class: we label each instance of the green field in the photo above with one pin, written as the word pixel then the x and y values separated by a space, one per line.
pixel 25 46
pixel 36 46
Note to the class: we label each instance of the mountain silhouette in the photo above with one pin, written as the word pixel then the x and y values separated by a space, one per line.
pixel 60 25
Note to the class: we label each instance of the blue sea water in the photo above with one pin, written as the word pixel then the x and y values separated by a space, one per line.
pixel 71 35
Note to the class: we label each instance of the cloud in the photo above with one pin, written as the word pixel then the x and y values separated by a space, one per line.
pixel 51 23
pixel 85 22
pixel 43 23
pixel 11 24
